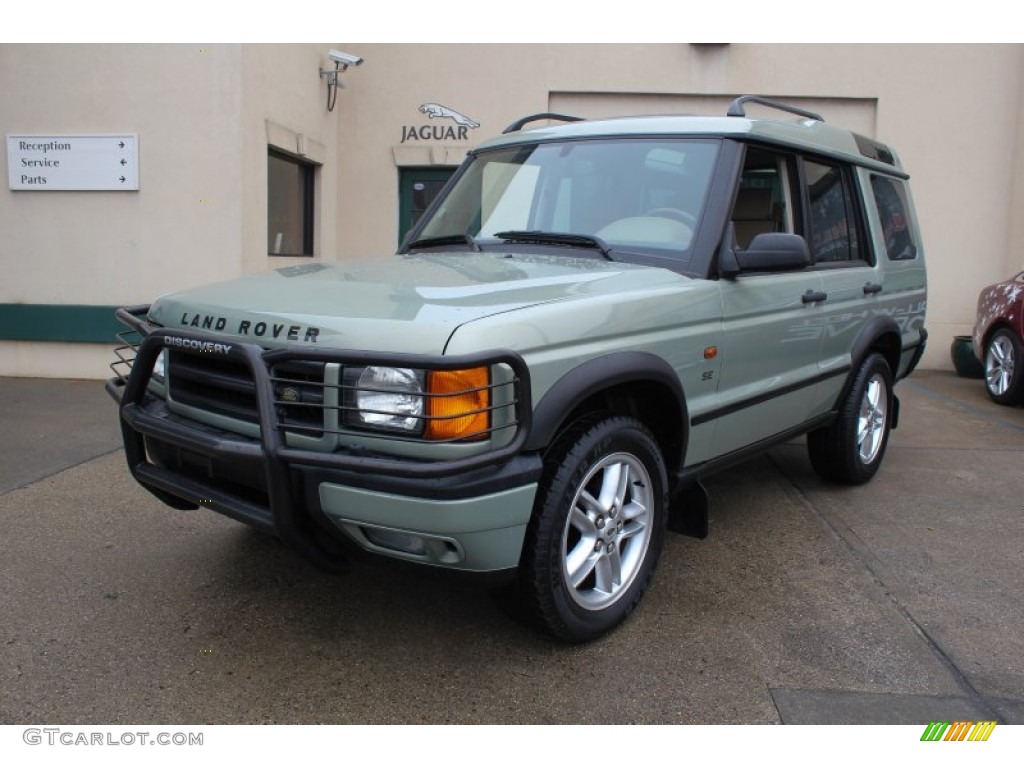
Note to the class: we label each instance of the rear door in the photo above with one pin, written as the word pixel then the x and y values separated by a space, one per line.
pixel 842 255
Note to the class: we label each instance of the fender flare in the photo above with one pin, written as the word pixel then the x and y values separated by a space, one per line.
pixel 598 375
pixel 866 340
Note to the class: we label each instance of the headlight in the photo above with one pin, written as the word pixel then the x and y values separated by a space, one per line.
pixel 437 405
pixel 386 398
pixel 160 366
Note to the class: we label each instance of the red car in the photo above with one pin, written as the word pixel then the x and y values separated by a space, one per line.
pixel 997 339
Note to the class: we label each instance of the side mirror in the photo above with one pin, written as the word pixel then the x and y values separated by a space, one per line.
pixel 774 252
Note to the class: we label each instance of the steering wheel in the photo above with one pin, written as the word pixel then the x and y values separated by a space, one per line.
pixel 674 213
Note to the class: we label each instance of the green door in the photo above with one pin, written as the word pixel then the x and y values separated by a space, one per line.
pixel 417 188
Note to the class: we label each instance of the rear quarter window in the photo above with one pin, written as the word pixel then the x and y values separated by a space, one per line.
pixel 893 212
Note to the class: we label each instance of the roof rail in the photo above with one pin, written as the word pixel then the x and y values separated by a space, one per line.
pixel 736 108
pixel 518 124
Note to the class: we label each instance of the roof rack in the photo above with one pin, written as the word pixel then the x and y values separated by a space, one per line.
pixel 736 108
pixel 518 124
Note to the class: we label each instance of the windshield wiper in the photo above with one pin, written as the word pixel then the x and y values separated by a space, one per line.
pixel 557 238
pixel 433 242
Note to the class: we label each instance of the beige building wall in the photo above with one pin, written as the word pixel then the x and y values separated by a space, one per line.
pixel 205 116
pixel 1015 251
pixel 180 228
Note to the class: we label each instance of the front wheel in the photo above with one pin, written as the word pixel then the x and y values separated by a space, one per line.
pixel 1004 370
pixel 597 528
pixel 850 450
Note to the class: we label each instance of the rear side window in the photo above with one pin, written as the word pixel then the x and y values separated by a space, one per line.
pixel 891 200
pixel 832 217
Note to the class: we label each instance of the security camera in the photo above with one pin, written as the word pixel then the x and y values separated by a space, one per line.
pixel 345 59
pixel 342 61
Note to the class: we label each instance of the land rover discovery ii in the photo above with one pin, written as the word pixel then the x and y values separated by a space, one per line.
pixel 591 318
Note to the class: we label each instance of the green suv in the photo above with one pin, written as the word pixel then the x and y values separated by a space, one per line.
pixel 591 318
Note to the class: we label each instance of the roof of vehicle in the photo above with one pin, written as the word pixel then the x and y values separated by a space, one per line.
pixel 804 134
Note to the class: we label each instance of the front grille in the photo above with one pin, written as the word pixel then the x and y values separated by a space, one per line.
pixel 299 395
pixel 213 384
pixel 225 387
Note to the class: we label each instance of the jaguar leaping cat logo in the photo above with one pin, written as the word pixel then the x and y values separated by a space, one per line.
pixel 439 110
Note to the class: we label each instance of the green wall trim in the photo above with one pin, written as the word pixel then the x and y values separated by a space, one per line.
pixel 58 322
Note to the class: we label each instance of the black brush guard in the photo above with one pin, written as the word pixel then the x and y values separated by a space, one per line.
pixel 144 416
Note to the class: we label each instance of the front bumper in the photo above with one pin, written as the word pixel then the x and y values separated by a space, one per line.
pixel 466 511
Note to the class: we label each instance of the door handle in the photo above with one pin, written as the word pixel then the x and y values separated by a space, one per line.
pixel 813 297
pixel 871 288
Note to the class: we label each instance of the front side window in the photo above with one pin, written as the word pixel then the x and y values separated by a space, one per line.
pixel 764 201
pixel 290 205
pixel 642 196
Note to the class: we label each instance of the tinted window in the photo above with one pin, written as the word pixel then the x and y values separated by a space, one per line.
pixel 891 200
pixel 832 222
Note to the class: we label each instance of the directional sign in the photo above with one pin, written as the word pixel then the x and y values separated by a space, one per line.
pixel 42 163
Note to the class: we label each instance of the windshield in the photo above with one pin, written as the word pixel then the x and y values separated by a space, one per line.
pixel 640 197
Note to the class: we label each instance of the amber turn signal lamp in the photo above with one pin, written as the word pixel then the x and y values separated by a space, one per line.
pixel 458 404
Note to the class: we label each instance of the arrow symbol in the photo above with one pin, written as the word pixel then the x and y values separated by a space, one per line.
pixel 120 144
pixel 123 161
pixel 122 179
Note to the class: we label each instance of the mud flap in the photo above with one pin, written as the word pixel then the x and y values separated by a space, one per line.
pixel 688 510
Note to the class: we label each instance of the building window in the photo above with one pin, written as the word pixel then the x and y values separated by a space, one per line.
pixel 290 205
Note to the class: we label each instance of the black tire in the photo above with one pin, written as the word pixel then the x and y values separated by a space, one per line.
pixel 1004 369
pixel 597 529
pixel 851 449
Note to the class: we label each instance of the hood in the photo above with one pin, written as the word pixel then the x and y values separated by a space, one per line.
pixel 405 303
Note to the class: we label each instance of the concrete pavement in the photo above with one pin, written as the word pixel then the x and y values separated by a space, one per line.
pixel 895 602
